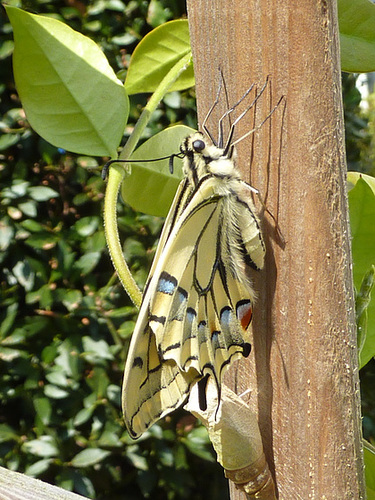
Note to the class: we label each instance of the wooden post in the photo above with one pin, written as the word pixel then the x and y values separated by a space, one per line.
pixel 303 371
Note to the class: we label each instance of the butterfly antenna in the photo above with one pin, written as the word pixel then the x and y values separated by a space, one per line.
pixel 204 126
pixel 169 157
pixel 222 85
pixel 220 124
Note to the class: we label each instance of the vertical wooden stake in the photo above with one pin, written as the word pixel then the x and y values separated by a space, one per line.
pixel 303 370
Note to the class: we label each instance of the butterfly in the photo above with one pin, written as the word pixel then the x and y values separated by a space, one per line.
pixel 198 299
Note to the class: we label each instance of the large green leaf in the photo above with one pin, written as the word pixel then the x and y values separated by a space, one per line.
pixel 155 56
pixel 70 94
pixel 362 217
pixel 150 187
pixel 357 35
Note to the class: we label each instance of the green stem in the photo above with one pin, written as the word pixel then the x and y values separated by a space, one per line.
pixel 116 176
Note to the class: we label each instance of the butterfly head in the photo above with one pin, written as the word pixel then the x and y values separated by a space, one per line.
pixel 203 158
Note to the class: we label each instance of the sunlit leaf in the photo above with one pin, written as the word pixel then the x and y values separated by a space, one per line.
pixel 155 56
pixel 45 446
pixel 89 457
pixel 42 193
pixel 357 35
pixel 37 468
pixel 54 392
pixel 70 94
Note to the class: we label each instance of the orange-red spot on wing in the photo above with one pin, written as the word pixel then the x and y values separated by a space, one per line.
pixel 244 313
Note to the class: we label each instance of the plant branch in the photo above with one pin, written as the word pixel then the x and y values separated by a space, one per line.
pixel 116 176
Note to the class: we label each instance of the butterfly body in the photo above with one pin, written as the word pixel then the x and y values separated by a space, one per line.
pixel 197 304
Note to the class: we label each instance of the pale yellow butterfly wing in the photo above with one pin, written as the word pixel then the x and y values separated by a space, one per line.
pixel 198 301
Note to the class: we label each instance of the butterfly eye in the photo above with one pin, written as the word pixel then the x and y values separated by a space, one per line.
pixel 198 145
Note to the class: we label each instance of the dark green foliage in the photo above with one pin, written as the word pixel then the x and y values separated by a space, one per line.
pixel 367 375
pixel 357 135
pixel 65 322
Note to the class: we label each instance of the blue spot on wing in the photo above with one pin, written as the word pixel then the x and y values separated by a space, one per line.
pixel 190 314
pixel 182 294
pixel 225 314
pixel 167 283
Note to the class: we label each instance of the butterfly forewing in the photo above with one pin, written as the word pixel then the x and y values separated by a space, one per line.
pixel 198 300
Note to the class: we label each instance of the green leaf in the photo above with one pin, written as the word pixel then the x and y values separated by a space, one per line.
pixel 49 353
pixel 88 457
pixel 369 456
pixel 68 359
pixel 57 377
pixel 17 190
pixel 71 299
pixel 198 443
pixel 33 325
pixel 155 56
pixel 135 456
pixel 32 225
pixel 363 299
pixel 87 262
pixel 96 350
pixel 180 457
pixel 37 468
pixel 7 433
pixel 362 216
pixel 70 94
pixel 165 455
pixel 54 392
pixel 42 193
pixel 98 381
pixel 158 13
pixel 84 486
pixel 43 408
pixel 122 312
pixel 114 394
pixel 9 317
pixel 126 329
pixel 29 208
pixel 83 416
pixel 109 438
pixel 45 446
pixel 8 140
pixel 6 235
pixel 357 35
pixel 87 225
pixel 7 354
pixel 150 187
pixel 42 240
pixel 24 274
